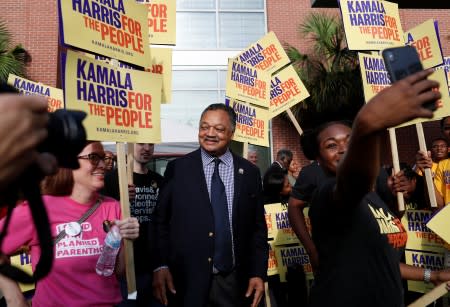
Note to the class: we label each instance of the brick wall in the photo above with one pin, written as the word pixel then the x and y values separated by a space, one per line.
pixel 34 24
pixel 284 22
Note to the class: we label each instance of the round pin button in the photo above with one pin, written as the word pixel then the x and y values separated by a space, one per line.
pixel 73 229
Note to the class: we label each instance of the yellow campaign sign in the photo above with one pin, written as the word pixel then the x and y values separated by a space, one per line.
pixel 282 232
pixel 446 68
pixel 439 223
pixel 424 259
pixel 425 38
pixel 270 210
pixel 161 21
pixel 162 64
pixel 374 76
pixel 23 262
pixel 252 123
pixel 286 91
pixel 117 29
pixel 248 84
pixel 123 105
pixel 55 96
pixel 272 267
pixel 266 54
pixel 443 104
pixel 288 256
pixel 420 237
pixel 371 24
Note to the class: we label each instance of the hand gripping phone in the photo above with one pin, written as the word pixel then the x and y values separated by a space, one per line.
pixel 401 62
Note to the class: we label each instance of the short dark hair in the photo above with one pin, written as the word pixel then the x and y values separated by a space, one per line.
pixel 441 138
pixel 282 154
pixel 306 144
pixel 223 107
pixel 310 140
pixel 407 170
pixel 273 183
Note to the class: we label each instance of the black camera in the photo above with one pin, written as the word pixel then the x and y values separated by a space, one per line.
pixel 66 137
pixel 66 134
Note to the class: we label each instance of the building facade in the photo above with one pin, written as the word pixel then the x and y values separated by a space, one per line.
pixel 208 32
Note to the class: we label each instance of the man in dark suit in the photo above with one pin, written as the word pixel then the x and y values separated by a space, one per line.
pixel 284 159
pixel 211 236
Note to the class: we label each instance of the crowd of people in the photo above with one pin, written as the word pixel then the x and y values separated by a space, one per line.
pixel 199 231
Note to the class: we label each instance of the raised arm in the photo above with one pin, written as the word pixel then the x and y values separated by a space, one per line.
pixel 397 104
pixel 298 224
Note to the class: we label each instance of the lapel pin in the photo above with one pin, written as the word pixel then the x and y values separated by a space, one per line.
pixel 241 171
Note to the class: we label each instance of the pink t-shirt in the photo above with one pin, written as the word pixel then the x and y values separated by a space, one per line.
pixel 72 280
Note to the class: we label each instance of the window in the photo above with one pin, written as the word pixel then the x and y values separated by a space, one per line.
pixel 210 24
pixel 208 33
pixel 192 91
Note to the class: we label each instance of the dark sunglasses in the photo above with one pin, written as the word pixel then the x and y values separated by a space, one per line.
pixel 95 158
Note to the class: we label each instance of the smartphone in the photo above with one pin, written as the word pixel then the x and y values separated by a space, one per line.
pixel 401 62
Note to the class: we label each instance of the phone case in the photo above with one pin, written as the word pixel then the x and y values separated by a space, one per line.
pixel 401 62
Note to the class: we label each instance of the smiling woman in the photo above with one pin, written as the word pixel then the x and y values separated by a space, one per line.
pixel 69 195
pixel 358 238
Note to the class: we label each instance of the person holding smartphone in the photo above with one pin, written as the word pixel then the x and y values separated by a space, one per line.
pixel 359 240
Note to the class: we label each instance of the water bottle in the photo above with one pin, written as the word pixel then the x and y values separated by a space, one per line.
pixel 107 260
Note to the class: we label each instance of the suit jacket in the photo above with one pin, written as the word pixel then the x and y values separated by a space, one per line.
pixel 185 227
pixel 275 166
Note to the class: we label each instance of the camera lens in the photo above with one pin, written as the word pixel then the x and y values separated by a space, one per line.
pixel 66 137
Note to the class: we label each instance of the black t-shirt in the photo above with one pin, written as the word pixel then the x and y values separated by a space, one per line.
pixel 147 189
pixel 417 201
pixel 308 180
pixel 359 252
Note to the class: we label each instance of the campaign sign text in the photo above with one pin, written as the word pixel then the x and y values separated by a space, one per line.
pixel 443 104
pixel 123 105
pixel 371 24
pixel 248 84
pixel 55 96
pixel 252 123
pixel 286 90
pixel 425 38
pixel 161 64
pixel 114 28
pixel 266 54
pixel 374 75
pixel 161 21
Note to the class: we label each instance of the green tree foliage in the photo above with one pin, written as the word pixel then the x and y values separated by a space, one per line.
pixel 12 59
pixel 329 70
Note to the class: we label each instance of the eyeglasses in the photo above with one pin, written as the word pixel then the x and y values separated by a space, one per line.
pixel 95 158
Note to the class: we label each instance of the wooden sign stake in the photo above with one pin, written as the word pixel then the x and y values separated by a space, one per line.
pixel 396 164
pixel 125 207
pixel 427 171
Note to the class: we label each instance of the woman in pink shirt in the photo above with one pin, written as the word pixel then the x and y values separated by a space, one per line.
pixel 73 280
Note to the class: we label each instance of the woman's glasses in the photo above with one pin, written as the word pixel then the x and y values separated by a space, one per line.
pixel 95 158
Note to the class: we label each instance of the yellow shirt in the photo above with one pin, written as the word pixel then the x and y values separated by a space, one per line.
pixel 442 179
pixel 433 170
